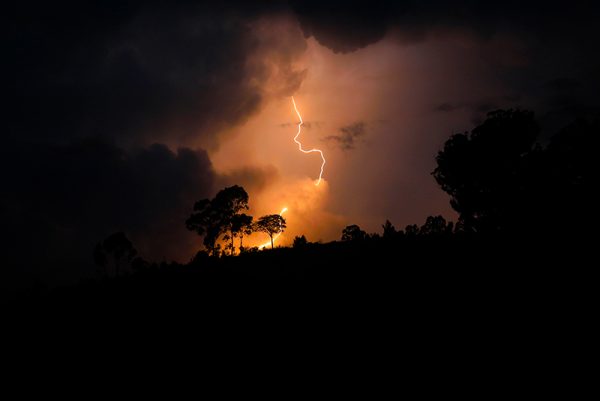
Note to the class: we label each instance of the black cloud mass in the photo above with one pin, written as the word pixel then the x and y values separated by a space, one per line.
pixel 136 70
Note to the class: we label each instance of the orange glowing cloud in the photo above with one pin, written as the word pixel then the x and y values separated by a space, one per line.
pixel 306 211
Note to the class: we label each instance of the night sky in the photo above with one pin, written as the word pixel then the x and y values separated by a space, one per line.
pixel 121 114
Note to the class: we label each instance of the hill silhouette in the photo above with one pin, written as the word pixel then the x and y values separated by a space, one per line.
pixel 523 212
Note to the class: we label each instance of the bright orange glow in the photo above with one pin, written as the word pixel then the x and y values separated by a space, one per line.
pixel 276 235
pixel 313 150
pixel 300 123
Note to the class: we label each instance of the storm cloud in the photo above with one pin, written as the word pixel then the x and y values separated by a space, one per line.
pixel 346 26
pixel 144 73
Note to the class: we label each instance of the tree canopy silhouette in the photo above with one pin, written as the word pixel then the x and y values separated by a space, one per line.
pixel 241 225
pixel 483 172
pixel 300 242
pixel 501 180
pixel 436 226
pixel 271 224
pixel 116 248
pixel 389 231
pixel 215 217
pixel 353 233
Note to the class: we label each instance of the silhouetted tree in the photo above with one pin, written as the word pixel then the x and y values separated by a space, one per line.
pixel 115 247
pixel 214 217
pixel 300 242
pixel 353 233
pixel 434 226
pixel 411 231
pixel 271 224
pixel 389 231
pixel 207 222
pixel 241 224
pixel 484 172
pixel 450 228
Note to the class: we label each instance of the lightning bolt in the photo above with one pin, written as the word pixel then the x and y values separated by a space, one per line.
pixel 276 235
pixel 300 123
pixel 313 150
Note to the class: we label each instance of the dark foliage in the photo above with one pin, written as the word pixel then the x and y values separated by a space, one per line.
pixel 502 182
pixel 300 242
pixel 271 225
pixel 117 249
pixel 353 233
pixel 217 216
pixel 241 225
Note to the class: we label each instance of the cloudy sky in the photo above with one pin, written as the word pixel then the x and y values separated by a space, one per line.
pixel 121 114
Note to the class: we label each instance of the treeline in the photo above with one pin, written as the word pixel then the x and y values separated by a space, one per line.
pixel 220 221
pixel 504 182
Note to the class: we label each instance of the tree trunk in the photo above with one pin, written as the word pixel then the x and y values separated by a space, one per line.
pixel 241 241
pixel 271 241
pixel 232 247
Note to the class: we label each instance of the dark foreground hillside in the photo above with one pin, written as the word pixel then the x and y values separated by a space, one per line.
pixel 369 279
pixel 361 311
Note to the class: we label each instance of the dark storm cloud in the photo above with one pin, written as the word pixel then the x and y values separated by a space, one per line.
pixel 135 71
pixel 143 71
pixel 345 26
pixel 63 199
pixel 350 134
pixel 147 71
